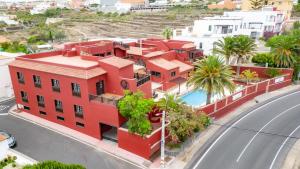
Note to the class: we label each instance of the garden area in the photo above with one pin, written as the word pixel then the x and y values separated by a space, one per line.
pixel 144 121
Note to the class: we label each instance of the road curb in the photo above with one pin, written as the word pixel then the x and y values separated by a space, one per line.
pixel 76 139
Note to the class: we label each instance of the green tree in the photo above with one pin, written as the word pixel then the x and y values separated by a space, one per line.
pixel 224 48
pixel 244 48
pixel 167 33
pixel 183 120
pixel 283 49
pixel 213 76
pixel 135 108
pixel 53 165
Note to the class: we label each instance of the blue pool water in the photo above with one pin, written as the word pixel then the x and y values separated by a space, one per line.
pixel 198 97
pixel 195 98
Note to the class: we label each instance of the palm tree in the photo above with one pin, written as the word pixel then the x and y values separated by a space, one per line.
pixel 244 47
pixel 213 76
pixel 257 4
pixel 170 103
pixel 224 47
pixel 167 33
pixel 283 47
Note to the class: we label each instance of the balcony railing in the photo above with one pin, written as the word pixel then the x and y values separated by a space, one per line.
pixel 38 85
pixel 56 89
pixel 106 99
pixel 24 99
pixel 141 80
pixel 126 46
pixel 21 81
pixel 59 109
pixel 78 94
pixel 41 104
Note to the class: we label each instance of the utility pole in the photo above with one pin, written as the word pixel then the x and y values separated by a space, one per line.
pixel 162 145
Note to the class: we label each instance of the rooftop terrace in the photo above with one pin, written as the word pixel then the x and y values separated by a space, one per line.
pixel 75 61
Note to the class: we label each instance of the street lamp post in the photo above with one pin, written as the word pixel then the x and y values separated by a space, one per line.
pixel 162 149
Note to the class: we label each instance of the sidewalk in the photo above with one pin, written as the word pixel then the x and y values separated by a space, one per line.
pixel 108 147
pixel 21 158
pixel 183 158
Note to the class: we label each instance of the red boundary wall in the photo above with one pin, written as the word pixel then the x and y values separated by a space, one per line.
pixel 222 107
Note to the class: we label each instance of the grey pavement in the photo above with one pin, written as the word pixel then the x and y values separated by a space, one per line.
pixel 257 139
pixel 42 144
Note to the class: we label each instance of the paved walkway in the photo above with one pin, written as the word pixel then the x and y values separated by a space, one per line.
pixel 182 159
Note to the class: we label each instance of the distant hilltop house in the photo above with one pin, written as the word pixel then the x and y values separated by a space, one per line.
pixel 285 6
pixel 7 19
pixel 226 4
pixel 255 24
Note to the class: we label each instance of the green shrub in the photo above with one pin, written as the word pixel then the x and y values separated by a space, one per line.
pixel 53 165
pixel 135 107
pixel 263 58
pixel 271 72
pixel 296 25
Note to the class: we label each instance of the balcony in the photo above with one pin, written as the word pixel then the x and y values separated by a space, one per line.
pixel 41 104
pixel 77 94
pixel 141 79
pixel 56 89
pixel 38 85
pixel 59 109
pixel 121 45
pixel 21 81
pixel 24 99
pixel 106 98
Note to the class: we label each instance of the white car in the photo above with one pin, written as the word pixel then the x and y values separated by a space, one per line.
pixel 5 136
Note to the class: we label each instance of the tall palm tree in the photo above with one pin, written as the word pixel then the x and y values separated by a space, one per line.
pixel 213 76
pixel 244 47
pixel 170 103
pixel 167 33
pixel 283 47
pixel 224 47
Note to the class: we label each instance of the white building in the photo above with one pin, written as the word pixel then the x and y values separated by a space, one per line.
pixel 6 89
pixel 208 30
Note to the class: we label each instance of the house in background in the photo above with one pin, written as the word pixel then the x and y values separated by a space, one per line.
pixel 6 88
pixel 226 4
pixel 205 32
pixel 286 6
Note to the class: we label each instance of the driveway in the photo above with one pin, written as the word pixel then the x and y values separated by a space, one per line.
pixel 42 144
pixel 258 139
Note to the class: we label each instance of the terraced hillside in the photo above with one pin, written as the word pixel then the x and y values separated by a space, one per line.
pixel 139 26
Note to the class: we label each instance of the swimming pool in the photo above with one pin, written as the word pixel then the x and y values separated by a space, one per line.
pixel 198 97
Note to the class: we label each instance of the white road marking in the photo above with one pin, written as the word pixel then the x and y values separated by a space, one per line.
pixel 248 144
pixel 282 145
pixel 227 130
pixel 3 114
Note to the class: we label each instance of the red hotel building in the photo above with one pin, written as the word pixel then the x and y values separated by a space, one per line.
pixel 79 86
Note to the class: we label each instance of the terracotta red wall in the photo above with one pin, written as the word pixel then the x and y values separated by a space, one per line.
pixel 142 146
pixel 261 71
pixel 247 94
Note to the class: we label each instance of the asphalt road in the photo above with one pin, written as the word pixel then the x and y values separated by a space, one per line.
pixel 42 144
pixel 258 139
pixel 6 105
